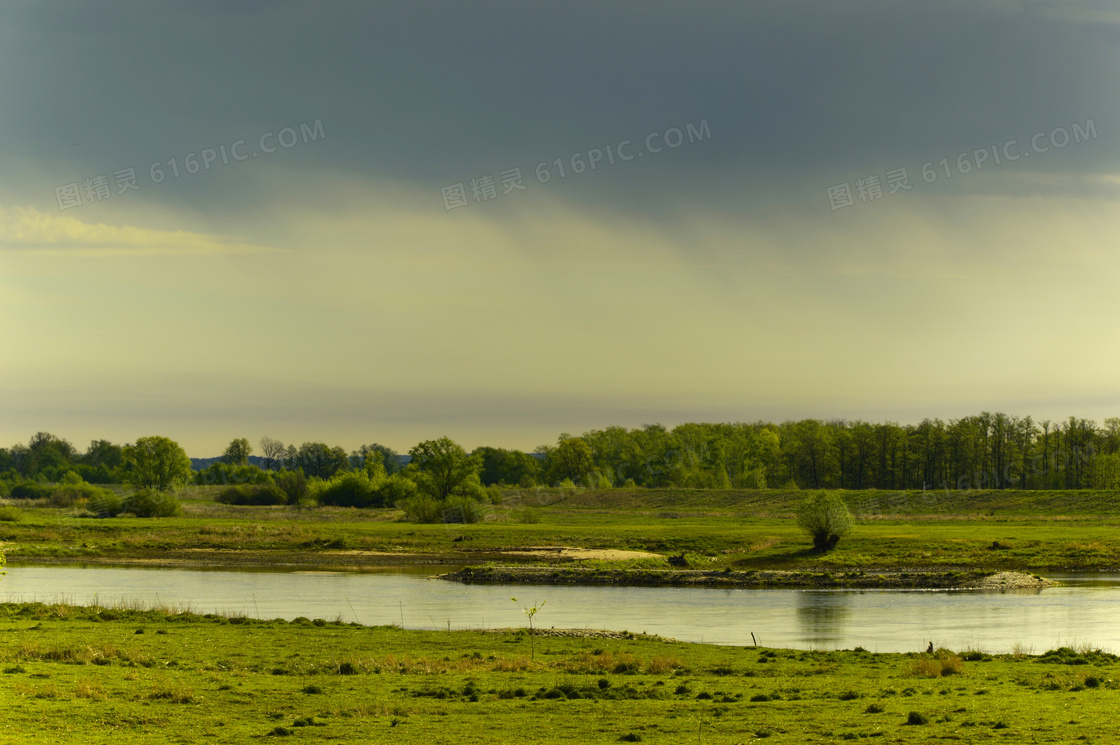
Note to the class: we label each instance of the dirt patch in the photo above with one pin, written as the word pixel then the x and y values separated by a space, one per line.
pixel 569 553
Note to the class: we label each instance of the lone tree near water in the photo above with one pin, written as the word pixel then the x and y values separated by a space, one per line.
pixel 825 517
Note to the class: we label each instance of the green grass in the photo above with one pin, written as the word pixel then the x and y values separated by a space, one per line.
pixel 107 675
pixel 1032 531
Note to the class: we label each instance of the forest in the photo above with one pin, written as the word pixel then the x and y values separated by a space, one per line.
pixel 986 451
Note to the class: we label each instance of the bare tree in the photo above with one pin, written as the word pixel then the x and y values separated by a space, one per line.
pixel 272 451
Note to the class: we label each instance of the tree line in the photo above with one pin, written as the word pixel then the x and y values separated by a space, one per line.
pixel 986 451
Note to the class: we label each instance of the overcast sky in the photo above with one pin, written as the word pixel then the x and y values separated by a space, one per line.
pixel 331 263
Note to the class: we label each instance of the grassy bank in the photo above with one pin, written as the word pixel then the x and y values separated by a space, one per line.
pixel 99 675
pixel 740 530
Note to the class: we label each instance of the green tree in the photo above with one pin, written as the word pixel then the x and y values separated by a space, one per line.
pixel 100 463
pixel 825 517
pixel 570 459
pixel 510 467
pixel 156 463
pixel 49 455
pixel 237 454
pixel 442 468
pixel 318 459
pixel 388 457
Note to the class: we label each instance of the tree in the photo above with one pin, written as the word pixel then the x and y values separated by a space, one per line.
pixel 442 468
pixel 237 454
pixel 825 517
pixel 156 463
pixel 49 455
pixel 273 452
pixel 389 458
pixel 570 459
pixel 321 460
pixel 510 467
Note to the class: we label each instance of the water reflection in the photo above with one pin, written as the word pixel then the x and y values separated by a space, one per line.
pixel 822 616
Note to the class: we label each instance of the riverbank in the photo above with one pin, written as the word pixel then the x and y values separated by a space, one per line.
pixel 734 530
pixel 105 675
pixel 952 580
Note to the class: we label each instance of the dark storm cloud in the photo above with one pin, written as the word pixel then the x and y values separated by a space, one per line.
pixel 425 94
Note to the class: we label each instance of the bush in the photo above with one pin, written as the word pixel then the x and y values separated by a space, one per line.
pixel 351 489
pixel 492 493
pixel 262 494
pixel 226 473
pixel 420 508
pixel 461 510
pixel 825 517
pixel 10 515
pixel 29 490
pixel 396 489
pixel 293 484
pixel 150 503
pixel 82 494
pixel 105 504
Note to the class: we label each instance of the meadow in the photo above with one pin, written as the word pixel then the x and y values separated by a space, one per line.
pixel 101 675
pixel 994 530
pixel 107 675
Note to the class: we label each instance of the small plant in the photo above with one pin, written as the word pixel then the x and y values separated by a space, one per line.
pixel 10 514
pixel 916 718
pixel 529 613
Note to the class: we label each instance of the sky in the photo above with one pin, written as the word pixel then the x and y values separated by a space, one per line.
pixel 363 222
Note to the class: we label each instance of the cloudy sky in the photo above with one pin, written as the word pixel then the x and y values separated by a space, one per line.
pixel 223 219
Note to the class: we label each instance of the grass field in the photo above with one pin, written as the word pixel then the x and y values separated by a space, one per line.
pixel 1032 531
pixel 100 675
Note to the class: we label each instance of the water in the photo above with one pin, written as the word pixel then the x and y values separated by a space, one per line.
pixel 1085 610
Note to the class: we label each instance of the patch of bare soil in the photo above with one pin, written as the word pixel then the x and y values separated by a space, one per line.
pixel 571 553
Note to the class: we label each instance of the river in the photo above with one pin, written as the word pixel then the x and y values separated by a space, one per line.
pixel 1084 610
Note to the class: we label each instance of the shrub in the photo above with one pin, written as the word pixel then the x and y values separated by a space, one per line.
pixel 420 508
pixel 226 473
pixel 825 517
pixel 150 503
pixel 916 718
pixel 351 489
pixel 262 494
pixel 105 504
pixel 396 489
pixel 10 515
pixel 293 484
pixel 29 490
pixel 67 495
pixel 461 510
pixel 70 478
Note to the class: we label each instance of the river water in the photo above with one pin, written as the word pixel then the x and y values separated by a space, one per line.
pixel 1086 609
